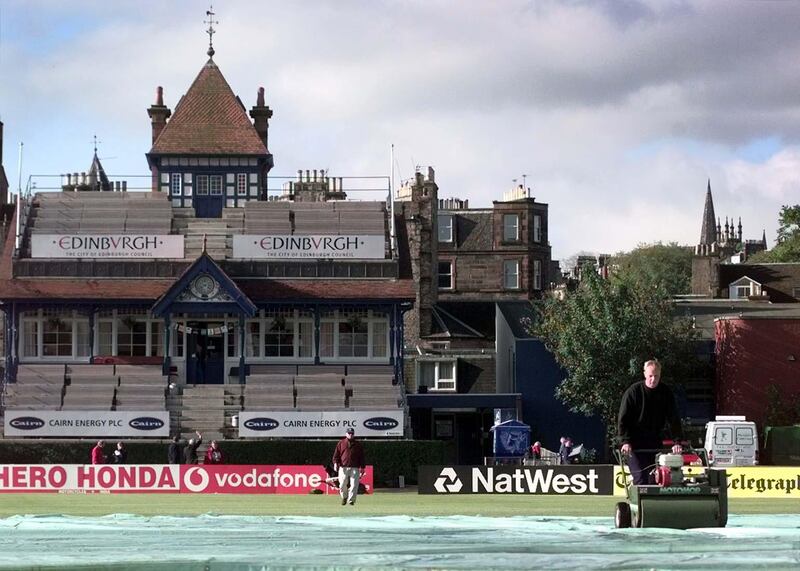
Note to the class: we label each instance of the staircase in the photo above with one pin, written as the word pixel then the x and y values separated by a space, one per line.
pixel 202 410
pixel 217 232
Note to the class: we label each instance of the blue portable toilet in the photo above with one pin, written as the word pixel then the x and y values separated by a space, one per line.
pixel 511 438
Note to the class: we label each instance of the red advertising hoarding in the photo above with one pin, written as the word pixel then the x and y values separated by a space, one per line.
pixel 160 478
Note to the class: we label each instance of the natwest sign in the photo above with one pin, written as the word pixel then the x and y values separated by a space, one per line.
pixel 106 246
pixel 350 246
pixel 187 479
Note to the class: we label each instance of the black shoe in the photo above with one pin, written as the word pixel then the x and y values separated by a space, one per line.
pixel 353 503
pixel 344 501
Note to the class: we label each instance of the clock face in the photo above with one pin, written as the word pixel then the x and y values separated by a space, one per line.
pixel 204 286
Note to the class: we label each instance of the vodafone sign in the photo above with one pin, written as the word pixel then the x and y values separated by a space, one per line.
pixel 161 478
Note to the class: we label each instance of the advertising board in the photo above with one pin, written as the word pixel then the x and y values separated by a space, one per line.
pixel 113 246
pixel 168 478
pixel 87 423
pixel 537 480
pixel 290 424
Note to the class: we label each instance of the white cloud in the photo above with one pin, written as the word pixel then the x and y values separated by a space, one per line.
pixel 617 111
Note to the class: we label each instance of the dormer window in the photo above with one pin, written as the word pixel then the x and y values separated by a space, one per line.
pixel 743 288
pixel 445 227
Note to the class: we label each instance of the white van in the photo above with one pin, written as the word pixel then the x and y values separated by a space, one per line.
pixel 731 441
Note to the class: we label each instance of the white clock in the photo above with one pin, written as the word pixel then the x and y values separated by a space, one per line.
pixel 204 286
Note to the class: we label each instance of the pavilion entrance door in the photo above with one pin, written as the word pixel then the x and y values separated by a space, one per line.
pixel 206 349
pixel 209 197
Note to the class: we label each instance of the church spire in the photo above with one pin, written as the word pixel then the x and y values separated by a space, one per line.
pixel 708 232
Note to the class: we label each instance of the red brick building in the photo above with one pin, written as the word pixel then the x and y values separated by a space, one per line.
pixel 754 354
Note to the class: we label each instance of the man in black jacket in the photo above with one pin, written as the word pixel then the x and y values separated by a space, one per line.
pixel 190 452
pixel 647 409
pixel 175 454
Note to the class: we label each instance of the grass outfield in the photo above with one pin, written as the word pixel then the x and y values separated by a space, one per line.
pixel 379 504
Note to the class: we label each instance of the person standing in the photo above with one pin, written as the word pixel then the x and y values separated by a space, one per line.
pixel 214 455
pixel 120 455
pixel 175 454
pixel 647 414
pixel 348 459
pixel 98 454
pixel 190 452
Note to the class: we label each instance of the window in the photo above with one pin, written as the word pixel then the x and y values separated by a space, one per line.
pixel 132 333
pixel 176 184
pixel 796 292
pixel 354 335
pixel 723 436
pixel 537 228
pixel 510 227
pixel 241 184
pixel 511 274
pixel 216 185
pixel 202 185
pixel 537 274
pixel 437 375
pixel 445 222
pixel 446 275
pixel 744 436
pixel 54 334
pixel 278 334
pixel 742 291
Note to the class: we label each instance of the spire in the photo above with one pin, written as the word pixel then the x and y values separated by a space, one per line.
pixel 707 234
pixel 740 228
pixel 211 31
pixel 764 238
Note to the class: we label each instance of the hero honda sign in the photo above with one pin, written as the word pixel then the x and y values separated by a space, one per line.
pixel 106 246
pixel 87 423
pixel 350 246
pixel 538 480
pixel 290 424
pixel 160 478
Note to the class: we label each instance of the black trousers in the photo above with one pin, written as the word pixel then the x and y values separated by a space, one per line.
pixel 641 464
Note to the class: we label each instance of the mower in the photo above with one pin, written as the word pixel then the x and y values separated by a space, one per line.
pixel 675 500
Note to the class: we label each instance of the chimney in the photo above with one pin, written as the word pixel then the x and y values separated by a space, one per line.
pixel 158 113
pixel 261 115
pixel 1 142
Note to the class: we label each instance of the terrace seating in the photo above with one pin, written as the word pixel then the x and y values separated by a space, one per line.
pixel 91 387
pixel 38 387
pixel 267 218
pixel 141 387
pixel 376 390
pixel 269 392
pixel 100 213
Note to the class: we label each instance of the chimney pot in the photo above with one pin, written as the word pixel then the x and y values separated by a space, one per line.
pixel 260 97
pixel 160 96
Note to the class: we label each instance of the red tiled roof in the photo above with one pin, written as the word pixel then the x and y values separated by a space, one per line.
pixel 256 290
pixel 209 119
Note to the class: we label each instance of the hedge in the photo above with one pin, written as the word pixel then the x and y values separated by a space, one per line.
pixel 390 458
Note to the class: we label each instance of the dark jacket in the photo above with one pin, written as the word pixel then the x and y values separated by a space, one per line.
pixel 349 453
pixel 120 456
pixel 175 454
pixel 647 416
pixel 190 452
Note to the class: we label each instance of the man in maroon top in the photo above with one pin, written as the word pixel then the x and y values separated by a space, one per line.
pixel 348 459
pixel 98 456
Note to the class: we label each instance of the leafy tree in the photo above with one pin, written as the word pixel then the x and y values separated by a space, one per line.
pixel 668 267
pixel 788 247
pixel 602 333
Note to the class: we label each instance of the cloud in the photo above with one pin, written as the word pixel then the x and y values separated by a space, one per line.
pixel 617 111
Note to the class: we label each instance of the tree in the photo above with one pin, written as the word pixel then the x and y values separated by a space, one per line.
pixel 602 333
pixel 668 267
pixel 788 247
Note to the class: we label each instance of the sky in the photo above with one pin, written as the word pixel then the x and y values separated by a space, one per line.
pixel 614 112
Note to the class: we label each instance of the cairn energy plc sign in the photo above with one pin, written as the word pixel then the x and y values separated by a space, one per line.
pixel 355 247
pixel 183 479
pixel 538 480
pixel 87 423
pixel 111 246
pixel 290 424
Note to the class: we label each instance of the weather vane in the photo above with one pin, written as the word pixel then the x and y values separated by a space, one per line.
pixel 95 142
pixel 211 21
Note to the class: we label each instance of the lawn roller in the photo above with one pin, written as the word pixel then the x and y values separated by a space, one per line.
pixel 675 500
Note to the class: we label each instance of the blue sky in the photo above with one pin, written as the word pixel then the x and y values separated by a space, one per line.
pixel 617 112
